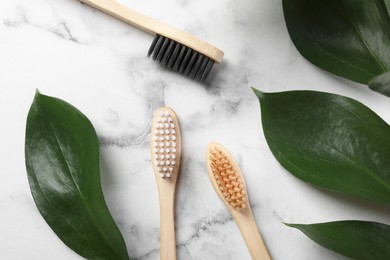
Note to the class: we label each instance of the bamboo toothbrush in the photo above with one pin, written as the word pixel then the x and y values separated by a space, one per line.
pixel 166 151
pixel 173 48
pixel 228 182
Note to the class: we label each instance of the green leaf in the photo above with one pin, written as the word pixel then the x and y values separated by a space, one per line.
pixel 345 37
pixel 330 141
pixel 62 160
pixel 355 239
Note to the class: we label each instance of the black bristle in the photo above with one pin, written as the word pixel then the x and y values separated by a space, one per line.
pixel 167 54
pixel 174 56
pixel 151 49
pixel 195 69
pixel 185 60
pixel 207 70
pixel 191 63
pixel 158 46
pixel 199 74
pixel 180 58
pixel 162 49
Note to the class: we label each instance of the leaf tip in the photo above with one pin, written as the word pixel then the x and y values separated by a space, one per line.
pixel 258 93
pixel 39 98
pixel 37 94
pixel 292 225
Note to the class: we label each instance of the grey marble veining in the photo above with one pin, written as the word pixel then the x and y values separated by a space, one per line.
pixel 99 65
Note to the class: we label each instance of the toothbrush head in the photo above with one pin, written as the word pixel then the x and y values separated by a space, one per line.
pixel 165 143
pixel 226 177
pixel 184 59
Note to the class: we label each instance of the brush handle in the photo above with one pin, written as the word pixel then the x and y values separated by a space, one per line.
pixel 167 219
pixel 125 14
pixel 251 234
pixel 153 26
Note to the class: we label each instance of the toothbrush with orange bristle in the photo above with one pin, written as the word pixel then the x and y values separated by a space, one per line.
pixel 228 182
pixel 166 151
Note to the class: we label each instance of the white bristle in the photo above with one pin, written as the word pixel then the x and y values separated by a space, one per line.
pixel 164 143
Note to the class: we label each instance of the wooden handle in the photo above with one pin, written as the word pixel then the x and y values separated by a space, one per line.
pixel 167 220
pixel 166 185
pixel 153 26
pixel 125 14
pixel 251 234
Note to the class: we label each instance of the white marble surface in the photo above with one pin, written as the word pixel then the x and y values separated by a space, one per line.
pixel 99 64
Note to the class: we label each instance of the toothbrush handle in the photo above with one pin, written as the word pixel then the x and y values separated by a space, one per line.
pixel 251 234
pixel 125 14
pixel 153 27
pixel 167 221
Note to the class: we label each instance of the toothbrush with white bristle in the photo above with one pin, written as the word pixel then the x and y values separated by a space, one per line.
pixel 166 152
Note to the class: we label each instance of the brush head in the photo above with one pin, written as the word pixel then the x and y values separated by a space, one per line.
pixel 180 58
pixel 165 143
pixel 226 176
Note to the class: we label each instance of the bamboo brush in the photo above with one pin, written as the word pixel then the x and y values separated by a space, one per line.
pixel 229 183
pixel 173 48
pixel 166 151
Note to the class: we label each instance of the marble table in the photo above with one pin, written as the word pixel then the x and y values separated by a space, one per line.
pixel 99 64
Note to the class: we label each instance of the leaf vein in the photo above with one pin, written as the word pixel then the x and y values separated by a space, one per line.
pixel 365 44
pixel 337 58
pixel 90 215
pixel 353 161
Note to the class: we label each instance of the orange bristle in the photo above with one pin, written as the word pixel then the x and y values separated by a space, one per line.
pixel 228 180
